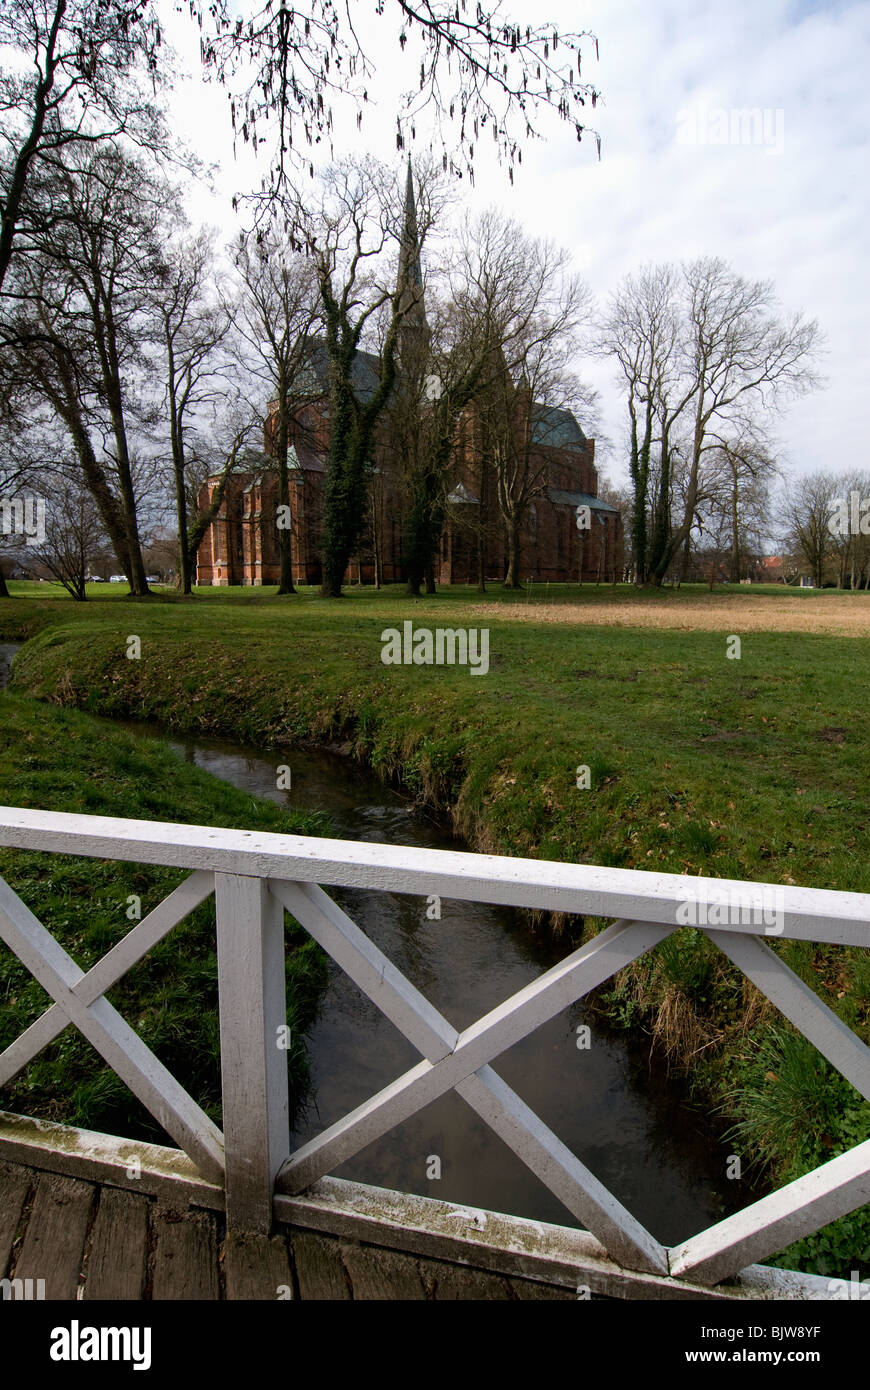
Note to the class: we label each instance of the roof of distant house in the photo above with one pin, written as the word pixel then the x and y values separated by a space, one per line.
pixel 365 372
pixel 579 499
pixel 556 428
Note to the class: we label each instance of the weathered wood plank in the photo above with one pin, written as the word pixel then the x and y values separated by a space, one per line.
pixel 257 1267
pixel 253 1013
pixel 812 914
pixel 185 1256
pixel 528 1290
pixel 512 1245
pixel 455 1283
pixel 15 1184
pixel 54 1242
pixel 319 1269
pixel 151 1169
pixel 116 1266
pixel 377 1275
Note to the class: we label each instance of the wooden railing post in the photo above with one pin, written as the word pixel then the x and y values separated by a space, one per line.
pixel 253 1013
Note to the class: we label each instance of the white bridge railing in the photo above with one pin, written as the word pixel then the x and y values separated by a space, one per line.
pixel 254 877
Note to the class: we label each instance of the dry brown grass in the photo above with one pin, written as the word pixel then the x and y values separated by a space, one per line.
pixel 837 614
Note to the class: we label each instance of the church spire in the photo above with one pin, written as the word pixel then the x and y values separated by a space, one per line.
pixel 409 283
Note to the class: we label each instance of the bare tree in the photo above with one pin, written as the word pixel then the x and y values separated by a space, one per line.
pixel 192 327
pixel 77 82
pixel 360 214
pixel 275 316
pixel 641 329
pixel 73 530
pixel 805 515
pixel 84 308
pixel 537 384
pixel 744 459
pixel 507 296
pixel 739 355
pixel 849 527
pixel 700 353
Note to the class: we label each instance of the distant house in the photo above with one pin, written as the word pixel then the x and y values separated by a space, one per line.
pixel 241 546
pixel 771 570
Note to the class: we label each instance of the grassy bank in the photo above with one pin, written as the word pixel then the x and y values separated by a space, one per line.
pixel 66 761
pixel 699 764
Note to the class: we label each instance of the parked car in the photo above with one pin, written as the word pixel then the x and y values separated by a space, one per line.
pixel 117 578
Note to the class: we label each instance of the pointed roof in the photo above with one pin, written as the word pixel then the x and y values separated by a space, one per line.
pixel 409 282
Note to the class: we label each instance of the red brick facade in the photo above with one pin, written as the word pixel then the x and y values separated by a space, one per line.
pixel 241 547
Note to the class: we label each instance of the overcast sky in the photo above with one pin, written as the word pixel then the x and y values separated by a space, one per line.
pixel 791 207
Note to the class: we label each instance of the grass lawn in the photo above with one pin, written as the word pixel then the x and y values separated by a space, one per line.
pixel 698 763
pixel 751 767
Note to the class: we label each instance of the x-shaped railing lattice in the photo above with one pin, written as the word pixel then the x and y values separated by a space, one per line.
pixel 251 1157
pixel 80 999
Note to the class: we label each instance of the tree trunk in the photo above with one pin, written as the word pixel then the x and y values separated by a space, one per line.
pixel 735 532
pixel 176 442
pixel 111 373
pixel 4 592
pixel 639 468
pixel 512 575
pixel 184 564
pixel 285 535
pixel 481 533
pixel 687 553
pixel 425 523
pixel 662 528
pixel 350 445
pixel 68 407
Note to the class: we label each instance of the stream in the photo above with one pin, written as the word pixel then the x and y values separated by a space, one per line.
pixel 612 1104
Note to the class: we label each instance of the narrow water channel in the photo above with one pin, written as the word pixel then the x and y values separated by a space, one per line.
pixel 613 1106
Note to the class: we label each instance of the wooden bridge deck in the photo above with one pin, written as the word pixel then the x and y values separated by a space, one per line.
pixel 92 1241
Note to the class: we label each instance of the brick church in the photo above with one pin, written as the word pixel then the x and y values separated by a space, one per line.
pixel 241 545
